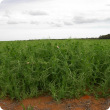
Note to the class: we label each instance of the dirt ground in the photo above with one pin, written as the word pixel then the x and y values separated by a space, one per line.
pixel 46 102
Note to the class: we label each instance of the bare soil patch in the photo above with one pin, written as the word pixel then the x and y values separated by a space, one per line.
pixel 46 102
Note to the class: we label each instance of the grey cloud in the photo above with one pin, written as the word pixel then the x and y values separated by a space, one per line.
pixel 7 14
pixel 34 22
pixel 12 22
pixel 22 22
pixel 51 23
pixel 54 24
pixel 108 5
pixel 15 22
pixel 37 13
pixel 58 25
pixel 80 20
pixel 68 23
pixel 24 12
pixel 107 19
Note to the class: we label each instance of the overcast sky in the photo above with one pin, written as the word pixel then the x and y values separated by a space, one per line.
pixel 57 19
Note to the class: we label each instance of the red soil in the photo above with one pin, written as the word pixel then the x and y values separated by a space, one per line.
pixel 46 102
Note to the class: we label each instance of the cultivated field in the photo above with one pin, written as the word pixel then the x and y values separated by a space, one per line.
pixel 62 68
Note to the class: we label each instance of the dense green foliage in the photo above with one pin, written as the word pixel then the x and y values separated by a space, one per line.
pixel 104 36
pixel 63 68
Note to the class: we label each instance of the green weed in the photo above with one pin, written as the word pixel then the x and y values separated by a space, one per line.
pixel 29 107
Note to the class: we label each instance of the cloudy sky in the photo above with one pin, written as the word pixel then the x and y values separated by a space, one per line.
pixel 54 19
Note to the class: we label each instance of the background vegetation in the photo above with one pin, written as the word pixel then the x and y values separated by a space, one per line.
pixel 104 36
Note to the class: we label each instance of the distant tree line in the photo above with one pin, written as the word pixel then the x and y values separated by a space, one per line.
pixel 104 36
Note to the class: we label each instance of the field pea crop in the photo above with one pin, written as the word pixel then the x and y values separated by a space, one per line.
pixel 61 68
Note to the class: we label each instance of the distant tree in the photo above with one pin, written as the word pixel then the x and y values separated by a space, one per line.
pixel 104 36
